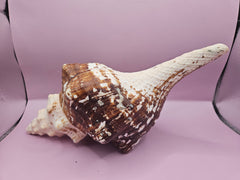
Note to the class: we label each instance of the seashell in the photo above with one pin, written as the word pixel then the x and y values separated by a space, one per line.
pixel 112 106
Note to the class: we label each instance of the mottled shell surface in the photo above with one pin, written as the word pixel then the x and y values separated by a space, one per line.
pixel 94 97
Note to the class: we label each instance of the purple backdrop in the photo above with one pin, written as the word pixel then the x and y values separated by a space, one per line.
pixel 127 35
pixel 188 141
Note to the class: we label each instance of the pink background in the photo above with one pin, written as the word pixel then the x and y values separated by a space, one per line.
pixel 188 141
pixel 127 35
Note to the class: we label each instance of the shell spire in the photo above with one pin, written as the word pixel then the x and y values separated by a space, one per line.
pixel 116 107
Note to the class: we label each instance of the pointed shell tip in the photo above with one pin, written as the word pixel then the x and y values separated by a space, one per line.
pixel 223 47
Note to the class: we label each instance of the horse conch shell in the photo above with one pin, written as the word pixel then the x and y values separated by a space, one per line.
pixel 112 106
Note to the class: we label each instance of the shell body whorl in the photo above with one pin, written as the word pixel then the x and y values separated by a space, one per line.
pixel 107 111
